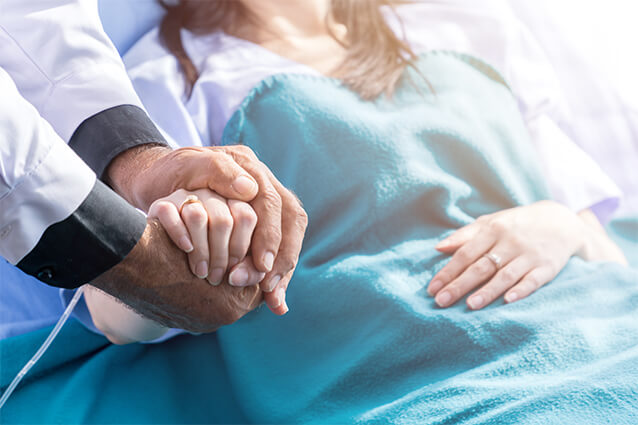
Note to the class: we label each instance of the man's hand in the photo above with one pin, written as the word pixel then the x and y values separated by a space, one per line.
pixel 154 279
pixel 144 174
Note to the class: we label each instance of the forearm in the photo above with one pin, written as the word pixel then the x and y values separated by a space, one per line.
pixel 119 323
pixel 597 245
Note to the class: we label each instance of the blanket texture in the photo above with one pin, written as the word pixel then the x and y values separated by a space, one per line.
pixel 382 183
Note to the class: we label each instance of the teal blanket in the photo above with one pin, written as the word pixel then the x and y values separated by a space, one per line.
pixel 382 182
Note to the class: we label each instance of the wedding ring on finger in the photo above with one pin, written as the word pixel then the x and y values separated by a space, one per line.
pixel 495 259
pixel 190 199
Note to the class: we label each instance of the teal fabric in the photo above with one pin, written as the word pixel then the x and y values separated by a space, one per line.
pixel 624 231
pixel 84 379
pixel 382 182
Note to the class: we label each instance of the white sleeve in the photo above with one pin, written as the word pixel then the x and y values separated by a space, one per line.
pixel 574 178
pixel 42 181
pixel 62 61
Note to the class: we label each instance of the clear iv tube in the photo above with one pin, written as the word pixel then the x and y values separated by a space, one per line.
pixel 56 329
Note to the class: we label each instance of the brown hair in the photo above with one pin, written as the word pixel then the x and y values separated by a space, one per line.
pixel 375 56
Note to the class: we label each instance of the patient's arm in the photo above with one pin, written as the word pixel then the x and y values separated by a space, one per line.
pixel 598 245
pixel 119 323
pixel 516 251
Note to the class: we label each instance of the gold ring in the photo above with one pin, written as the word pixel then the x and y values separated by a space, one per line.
pixel 497 260
pixel 190 199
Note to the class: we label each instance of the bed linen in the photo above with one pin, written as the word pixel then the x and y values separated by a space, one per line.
pixel 363 343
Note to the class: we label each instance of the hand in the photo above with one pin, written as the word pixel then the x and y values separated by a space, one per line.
pixel 154 280
pixel 532 242
pixel 215 233
pixel 144 174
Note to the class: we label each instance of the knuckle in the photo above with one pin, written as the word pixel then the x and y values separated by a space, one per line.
pixel 483 267
pixel 287 263
pixel 195 215
pixel 271 198
pixel 444 276
pixel 454 291
pixel 245 151
pixel 301 219
pixel 488 294
pixel 498 226
pixel 222 221
pixel 532 282
pixel 244 214
pixel 162 208
pixel 463 255
pixel 508 275
pixel 517 242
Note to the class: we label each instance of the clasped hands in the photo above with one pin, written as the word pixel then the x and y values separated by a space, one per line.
pixel 244 222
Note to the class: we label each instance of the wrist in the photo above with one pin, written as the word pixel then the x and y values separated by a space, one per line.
pixel 124 173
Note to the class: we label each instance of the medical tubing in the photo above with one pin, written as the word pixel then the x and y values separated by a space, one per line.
pixel 56 329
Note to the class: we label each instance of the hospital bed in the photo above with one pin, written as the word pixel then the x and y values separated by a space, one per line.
pixel 120 393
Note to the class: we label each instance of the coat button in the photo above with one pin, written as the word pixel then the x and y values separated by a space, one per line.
pixel 45 274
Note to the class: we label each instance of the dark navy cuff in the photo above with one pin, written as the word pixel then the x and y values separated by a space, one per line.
pixel 96 237
pixel 102 137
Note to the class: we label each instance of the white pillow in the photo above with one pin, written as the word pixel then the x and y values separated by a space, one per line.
pixel 125 21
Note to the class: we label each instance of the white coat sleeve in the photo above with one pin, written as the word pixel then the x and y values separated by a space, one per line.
pixel 64 64
pixel 57 222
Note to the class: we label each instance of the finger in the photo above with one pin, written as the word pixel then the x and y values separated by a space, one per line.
pixel 220 226
pixel 267 205
pixel 476 274
pixel 530 283
pixel 166 212
pixel 195 218
pixel 294 223
pixel 461 260
pixel 245 220
pixel 245 274
pixel 459 238
pixel 504 279
pixel 276 300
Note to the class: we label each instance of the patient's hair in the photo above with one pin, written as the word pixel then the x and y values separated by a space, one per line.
pixel 375 56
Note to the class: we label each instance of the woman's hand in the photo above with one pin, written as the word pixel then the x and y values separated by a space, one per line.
pixel 512 252
pixel 216 234
pixel 213 231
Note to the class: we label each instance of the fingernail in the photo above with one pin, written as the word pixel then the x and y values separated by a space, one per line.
pixel 273 283
pixel 434 287
pixel 215 277
pixel 244 185
pixel 238 277
pixel 185 244
pixel 280 297
pixel 232 261
pixel 511 297
pixel 443 244
pixel 476 302
pixel 269 260
pixel 443 299
pixel 201 270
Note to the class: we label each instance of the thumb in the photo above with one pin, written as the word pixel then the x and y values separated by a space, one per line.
pixel 458 238
pixel 224 176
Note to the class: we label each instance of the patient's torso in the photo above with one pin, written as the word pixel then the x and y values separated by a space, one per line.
pixel 372 175
pixel 382 182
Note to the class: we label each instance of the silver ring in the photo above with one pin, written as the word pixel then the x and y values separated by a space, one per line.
pixel 497 260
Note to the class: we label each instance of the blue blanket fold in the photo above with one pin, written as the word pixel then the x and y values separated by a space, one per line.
pixel 382 183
